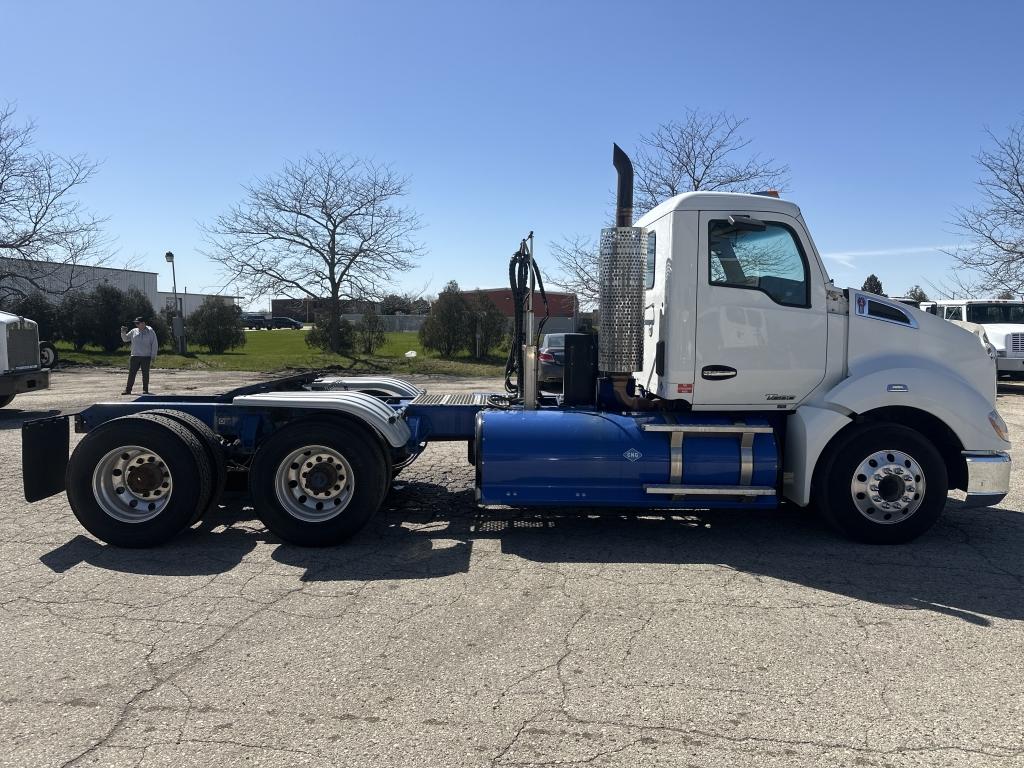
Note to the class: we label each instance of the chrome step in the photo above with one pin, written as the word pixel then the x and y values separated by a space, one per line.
pixel 708 429
pixel 710 490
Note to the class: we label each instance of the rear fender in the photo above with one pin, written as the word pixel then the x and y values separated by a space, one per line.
pixel 386 385
pixel 367 409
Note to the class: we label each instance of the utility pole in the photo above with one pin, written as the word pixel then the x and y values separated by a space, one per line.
pixel 177 321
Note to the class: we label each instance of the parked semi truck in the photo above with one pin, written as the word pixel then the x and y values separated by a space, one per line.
pixel 729 373
pixel 22 358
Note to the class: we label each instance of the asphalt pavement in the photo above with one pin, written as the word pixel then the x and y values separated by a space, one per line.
pixel 445 637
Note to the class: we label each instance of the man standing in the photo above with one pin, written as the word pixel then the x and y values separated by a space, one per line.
pixel 144 349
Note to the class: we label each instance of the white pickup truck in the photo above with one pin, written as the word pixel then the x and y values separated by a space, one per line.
pixel 1002 321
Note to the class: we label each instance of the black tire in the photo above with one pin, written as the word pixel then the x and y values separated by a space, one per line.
pixel 214 454
pixel 368 475
pixel 179 449
pixel 6 400
pixel 47 354
pixel 838 476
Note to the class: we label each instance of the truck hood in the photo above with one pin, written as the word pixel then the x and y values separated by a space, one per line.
pixel 927 343
pixel 997 332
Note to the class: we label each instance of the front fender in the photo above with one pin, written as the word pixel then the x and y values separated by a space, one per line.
pixel 950 399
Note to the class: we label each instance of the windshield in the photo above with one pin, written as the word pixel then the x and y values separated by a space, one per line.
pixel 995 313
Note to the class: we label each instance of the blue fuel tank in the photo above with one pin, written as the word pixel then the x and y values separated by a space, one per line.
pixel 593 458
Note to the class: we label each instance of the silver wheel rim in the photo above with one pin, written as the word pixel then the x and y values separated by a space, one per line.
pixel 132 484
pixel 47 355
pixel 314 483
pixel 888 487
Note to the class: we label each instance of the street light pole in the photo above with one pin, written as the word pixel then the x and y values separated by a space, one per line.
pixel 177 322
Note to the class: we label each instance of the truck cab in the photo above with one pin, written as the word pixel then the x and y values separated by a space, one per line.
pixel 737 298
pixel 1001 321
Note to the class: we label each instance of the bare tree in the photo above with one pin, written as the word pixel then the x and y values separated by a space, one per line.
pixel 703 151
pixel 957 285
pixel 43 228
pixel 576 261
pixel 995 225
pixel 324 227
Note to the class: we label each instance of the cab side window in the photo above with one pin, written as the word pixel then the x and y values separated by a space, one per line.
pixel 769 260
pixel 954 313
pixel 652 260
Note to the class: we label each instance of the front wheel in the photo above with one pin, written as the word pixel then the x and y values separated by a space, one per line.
pixel 317 483
pixel 883 484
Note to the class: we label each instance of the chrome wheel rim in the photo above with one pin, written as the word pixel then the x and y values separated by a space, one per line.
pixel 888 487
pixel 132 484
pixel 314 483
pixel 46 357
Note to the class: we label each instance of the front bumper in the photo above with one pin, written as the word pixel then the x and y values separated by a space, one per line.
pixel 1010 364
pixel 988 477
pixel 24 381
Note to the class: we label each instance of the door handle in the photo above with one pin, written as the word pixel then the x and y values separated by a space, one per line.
pixel 717 372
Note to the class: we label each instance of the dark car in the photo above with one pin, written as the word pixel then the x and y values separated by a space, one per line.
pixel 255 322
pixel 285 322
pixel 551 358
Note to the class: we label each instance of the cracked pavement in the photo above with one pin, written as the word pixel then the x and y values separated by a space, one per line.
pixel 445 637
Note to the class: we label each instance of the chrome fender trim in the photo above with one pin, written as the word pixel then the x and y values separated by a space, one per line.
pixel 366 408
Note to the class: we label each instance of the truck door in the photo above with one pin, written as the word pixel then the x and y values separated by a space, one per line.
pixel 761 315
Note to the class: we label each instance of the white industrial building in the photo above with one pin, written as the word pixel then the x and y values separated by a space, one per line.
pixel 54 279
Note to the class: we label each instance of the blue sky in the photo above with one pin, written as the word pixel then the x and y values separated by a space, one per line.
pixel 503 114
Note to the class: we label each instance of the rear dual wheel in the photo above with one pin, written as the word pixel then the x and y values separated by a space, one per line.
pixel 212 449
pixel 137 481
pixel 317 483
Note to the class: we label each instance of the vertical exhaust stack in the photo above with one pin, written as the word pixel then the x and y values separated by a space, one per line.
pixel 624 188
pixel 621 304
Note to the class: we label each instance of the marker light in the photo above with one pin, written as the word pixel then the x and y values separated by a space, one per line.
pixel 999 426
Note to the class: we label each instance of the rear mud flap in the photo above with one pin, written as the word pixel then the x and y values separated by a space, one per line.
pixel 44 456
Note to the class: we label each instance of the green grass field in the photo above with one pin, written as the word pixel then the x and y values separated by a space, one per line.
pixel 285 350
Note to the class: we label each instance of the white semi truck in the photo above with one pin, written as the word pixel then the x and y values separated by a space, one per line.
pixel 1001 320
pixel 729 373
pixel 21 367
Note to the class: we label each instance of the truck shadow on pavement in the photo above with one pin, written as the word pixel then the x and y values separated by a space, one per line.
pixel 968 566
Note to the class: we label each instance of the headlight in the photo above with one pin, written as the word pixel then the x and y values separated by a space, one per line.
pixel 999 426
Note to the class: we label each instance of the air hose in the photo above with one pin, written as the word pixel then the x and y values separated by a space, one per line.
pixel 519 267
